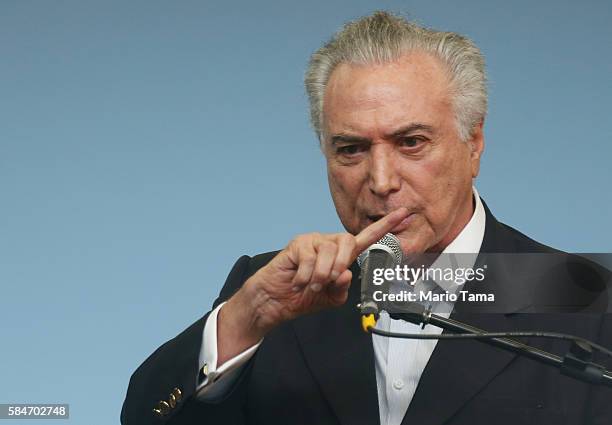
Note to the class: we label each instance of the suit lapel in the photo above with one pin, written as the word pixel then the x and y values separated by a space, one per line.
pixel 341 358
pixel 458 370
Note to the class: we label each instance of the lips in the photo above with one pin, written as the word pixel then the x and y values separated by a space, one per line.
pixel 374 217
pixel 371 218
pixel 403 224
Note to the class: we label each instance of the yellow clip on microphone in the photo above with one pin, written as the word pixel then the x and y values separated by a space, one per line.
pixel 368 321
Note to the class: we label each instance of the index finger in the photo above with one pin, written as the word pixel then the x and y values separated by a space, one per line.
pixel 378 229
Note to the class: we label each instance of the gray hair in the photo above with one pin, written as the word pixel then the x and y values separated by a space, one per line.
pixel 383 37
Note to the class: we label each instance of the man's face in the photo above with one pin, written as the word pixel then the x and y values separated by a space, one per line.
pixel 391 141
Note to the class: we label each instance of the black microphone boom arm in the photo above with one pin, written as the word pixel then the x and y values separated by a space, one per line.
pixel 576 363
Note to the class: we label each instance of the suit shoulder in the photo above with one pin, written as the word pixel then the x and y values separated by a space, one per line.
pixel 523 243
pixel 243 268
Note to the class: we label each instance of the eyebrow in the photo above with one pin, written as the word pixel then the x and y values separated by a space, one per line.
pixel 349 138
pixel 411 129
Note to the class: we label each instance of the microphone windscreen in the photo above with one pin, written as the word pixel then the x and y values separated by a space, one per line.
pixel 389 243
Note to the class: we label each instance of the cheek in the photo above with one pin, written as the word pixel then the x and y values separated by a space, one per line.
pixel 444 180
pixel 343 183
pixel 344 186
pixel 432 179
pixel 336 187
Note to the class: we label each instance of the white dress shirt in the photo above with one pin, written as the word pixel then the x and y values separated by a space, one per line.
pixel 399 363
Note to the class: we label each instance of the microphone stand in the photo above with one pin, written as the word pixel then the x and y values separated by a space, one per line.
pixel 577 363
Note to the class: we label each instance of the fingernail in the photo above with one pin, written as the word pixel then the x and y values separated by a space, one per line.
pixel 295 288
pixel 315 287
pixel 334 275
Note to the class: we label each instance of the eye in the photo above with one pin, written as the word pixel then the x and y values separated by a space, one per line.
pixel 350 150
pixel 411 143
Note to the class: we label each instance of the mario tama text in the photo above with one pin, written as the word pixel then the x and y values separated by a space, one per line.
pixel 428 297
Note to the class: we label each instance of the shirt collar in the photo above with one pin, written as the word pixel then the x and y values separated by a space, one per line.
pixel 470 238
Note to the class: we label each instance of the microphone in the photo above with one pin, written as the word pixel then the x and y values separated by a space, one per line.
pixel 384 254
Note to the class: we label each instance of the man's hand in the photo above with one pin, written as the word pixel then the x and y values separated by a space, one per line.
pixel 311 273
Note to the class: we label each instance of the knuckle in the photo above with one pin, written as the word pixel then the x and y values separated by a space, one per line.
pixel 319 276
pixel 348 240
pixel 327 246
pixel 302 245
pixel 294 242
pixel 340 265
pixel 300 279
pixel 308 257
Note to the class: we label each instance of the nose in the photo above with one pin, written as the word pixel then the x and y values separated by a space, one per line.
pixel 383 173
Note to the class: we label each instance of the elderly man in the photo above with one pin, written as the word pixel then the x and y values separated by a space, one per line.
pixel 399 113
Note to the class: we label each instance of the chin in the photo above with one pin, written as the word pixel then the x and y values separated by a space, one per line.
pixel 409 245
pixel 415 242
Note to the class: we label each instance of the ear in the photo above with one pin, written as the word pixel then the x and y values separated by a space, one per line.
pixel 476 143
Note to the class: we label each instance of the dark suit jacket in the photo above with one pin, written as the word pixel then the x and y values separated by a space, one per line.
pixel 319 369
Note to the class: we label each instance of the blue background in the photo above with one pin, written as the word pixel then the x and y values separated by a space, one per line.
pixel 145 145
